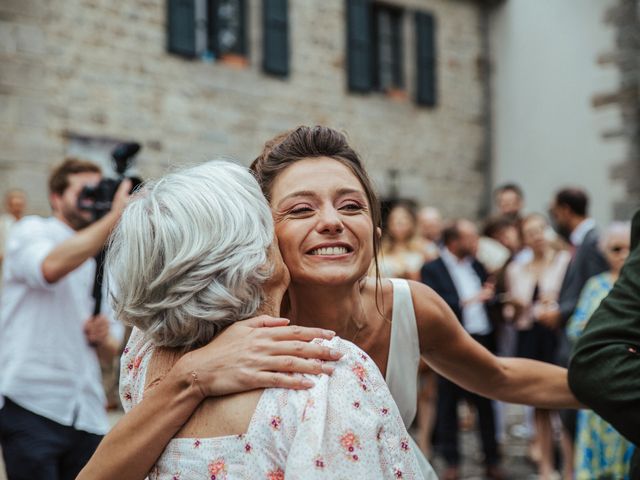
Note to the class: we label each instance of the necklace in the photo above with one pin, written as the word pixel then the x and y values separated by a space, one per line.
pixel 355 335
pixel 360 325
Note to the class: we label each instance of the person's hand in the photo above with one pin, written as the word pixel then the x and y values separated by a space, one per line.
pixel 261 352
pixel 512 308
pixel 550 318
pixel 487 293
pixel 96 330
pixel 121 197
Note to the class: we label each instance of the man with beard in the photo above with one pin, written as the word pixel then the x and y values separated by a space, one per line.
pixel 52 411
pixel 463 283
pixel 509 201
pixel 569 213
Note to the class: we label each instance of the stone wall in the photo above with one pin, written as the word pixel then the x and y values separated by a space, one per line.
pixel 99 69
pixel 625 18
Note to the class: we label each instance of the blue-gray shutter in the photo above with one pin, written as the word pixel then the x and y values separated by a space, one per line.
pixel 181 24
pixel 426 59
pixel 276 37
pixel 359 45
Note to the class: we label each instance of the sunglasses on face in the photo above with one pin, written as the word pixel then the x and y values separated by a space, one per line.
pixel 618 248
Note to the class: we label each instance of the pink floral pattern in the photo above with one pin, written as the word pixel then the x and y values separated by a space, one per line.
pixel 350 442
pixel 276 422
pixel 218 470
pixel 276 474
pixel 346 426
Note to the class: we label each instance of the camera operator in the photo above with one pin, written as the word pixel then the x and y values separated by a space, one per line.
pixel 53 405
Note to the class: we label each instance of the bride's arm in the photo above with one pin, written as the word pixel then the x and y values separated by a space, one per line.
pixel 244 357
pixel 454 354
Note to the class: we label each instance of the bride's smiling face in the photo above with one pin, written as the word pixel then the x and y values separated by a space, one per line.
pixel 322 222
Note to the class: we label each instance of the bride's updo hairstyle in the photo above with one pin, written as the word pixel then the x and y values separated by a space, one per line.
pixel 314 142
pixel 190 254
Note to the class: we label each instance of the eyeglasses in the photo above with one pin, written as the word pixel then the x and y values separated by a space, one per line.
pixel 618 248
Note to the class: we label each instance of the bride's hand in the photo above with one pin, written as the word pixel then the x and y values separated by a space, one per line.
pixel 259 353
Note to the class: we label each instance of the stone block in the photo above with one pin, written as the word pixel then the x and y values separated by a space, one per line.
pixel 30 39
pixel 8 41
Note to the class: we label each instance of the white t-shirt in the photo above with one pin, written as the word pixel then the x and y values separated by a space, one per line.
pixel 46 363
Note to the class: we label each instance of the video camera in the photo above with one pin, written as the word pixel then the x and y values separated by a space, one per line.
pixel 98 199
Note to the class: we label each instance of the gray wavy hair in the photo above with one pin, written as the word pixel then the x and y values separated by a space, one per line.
pixel 190 254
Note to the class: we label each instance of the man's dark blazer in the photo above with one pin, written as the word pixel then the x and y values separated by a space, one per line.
pixel 436 275
pixel 587 261
pixel 604 372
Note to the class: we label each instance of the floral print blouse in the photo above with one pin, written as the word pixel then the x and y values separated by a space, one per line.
pixel 346 426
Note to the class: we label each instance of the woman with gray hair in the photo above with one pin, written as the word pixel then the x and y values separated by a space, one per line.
pixel 194 253
pixel 600 451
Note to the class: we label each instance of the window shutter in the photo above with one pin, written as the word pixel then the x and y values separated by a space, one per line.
pixel 426 59
pixel 276 37
pixel 243 44
pixel 181 23
pixel 359 45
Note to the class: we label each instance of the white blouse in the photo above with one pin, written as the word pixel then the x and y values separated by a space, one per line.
pixel 522 281
pixel 346 426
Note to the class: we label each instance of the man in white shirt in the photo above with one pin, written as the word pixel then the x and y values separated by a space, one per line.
pixel 53 416
pixel 463 283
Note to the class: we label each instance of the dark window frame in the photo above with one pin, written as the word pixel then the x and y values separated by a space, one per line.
pixel 194 35
pixel 387 74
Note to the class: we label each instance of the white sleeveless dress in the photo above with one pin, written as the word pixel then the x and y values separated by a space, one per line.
pixel 403 363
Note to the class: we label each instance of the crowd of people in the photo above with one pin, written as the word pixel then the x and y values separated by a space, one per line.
pixel 225 278
pixel 525 289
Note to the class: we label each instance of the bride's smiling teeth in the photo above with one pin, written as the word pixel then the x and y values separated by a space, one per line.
pixel 329 251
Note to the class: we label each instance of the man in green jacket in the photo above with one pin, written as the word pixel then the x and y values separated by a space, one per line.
pixel 604 372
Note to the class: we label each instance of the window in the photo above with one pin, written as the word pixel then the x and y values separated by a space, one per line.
pixel 375 42
pixel 207 28
pixel 386 26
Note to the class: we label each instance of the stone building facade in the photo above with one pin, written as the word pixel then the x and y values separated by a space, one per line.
pixel 624 17
pixel 77 76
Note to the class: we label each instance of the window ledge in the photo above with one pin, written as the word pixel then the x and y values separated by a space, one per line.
pixel 234 60
pixel 396 94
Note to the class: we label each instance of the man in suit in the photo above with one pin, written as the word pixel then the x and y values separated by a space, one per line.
pixel 569 213
pixel 462 282
pixel 603 373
